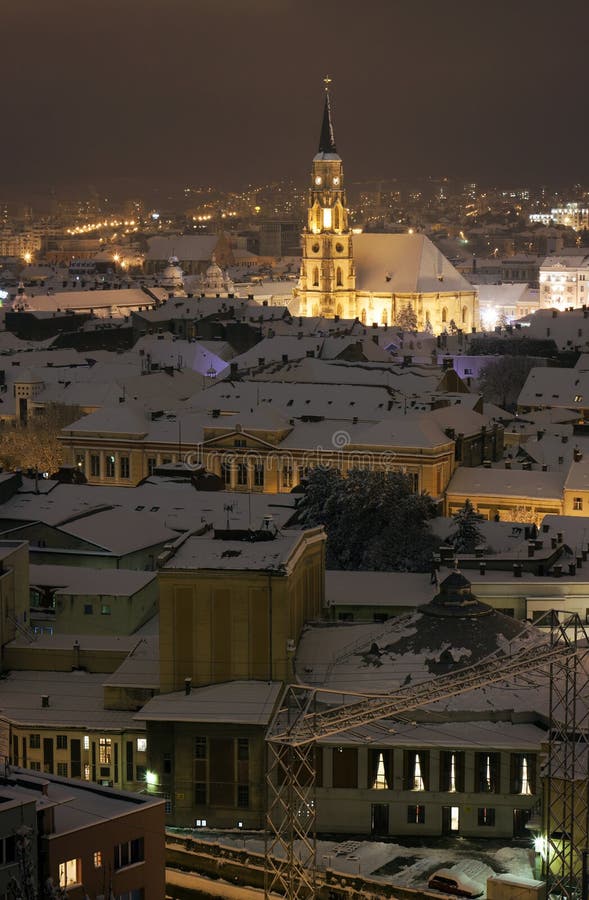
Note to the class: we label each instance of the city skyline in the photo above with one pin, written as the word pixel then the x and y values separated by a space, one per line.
pixel 209 93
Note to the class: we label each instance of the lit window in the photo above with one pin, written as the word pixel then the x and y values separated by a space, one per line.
pixel 105 609
pixel 418 782
pixel 452 781
pixel 105 751
pixel 141 745
pixel 380 782
pixel 98 859
pixel 70 872
pixel 526 787
pixel 327 217
pixel 200 823
pixel 577 503
pixel 86 742
pixel 86 772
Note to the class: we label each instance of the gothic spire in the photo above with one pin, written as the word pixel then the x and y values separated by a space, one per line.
pixel 327 139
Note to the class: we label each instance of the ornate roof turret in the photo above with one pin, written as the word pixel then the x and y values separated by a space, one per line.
pixel 456 599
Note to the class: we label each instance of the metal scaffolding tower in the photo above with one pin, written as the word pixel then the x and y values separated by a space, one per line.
pixel 306 714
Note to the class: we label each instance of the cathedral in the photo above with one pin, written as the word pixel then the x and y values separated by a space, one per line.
pixel 377 278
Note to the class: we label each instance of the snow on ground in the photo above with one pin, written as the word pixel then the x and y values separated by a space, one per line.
pixel 407 865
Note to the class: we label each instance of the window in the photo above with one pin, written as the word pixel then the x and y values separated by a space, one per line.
pixel 95 465
pixel 239 442
pixel 62 769
pixel 86 742
pixel 35 766
pixel 338 280
pixel 226 472
pixel 486 816
pixel 70 872
pixel 259 475
pixel 140 773
pixel 380 780
pixel 168 804
pixel 444 314
pixel 105 751
pixel 242 473
pixel 35 741
pixel 200 748
pixel 61 741
pixel 523 774
pixel 200 823
pixel 315 277
pixel 141 745
pixel 105 609
pixel 415 815
pixel 124 467
pixel 418 782
pixel 243 796
pixel 167 763
pixel 86 772
pixel 243 749
pixel 88 609
pixel 487 772
pixel 286 476
pixel 200 793
pixel 151 464
pixel 97 859
pixel 110 466
pixel 129 853
pixel 578 503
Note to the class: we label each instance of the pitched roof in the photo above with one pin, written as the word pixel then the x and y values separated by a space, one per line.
pixel 403 263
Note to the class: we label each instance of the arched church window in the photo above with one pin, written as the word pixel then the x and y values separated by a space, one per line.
pixel 444 314
pixel 338 277
pixel 363 317
pixel 464 313
pixel 316 278
pixel 336 218
pixel 384 318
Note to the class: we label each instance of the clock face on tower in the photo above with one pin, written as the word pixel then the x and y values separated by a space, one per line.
pixel 318 179
pixel 336 180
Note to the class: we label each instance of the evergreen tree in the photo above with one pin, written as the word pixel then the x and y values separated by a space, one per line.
pixel 373 519
pixel 467 535
pixel 406 318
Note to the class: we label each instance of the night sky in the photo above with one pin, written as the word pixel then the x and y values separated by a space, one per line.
pixel 227 92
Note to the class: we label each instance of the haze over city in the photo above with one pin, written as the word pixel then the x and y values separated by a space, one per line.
pixel 145 93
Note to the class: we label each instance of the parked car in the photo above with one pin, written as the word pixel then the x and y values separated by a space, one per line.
pixel 451 882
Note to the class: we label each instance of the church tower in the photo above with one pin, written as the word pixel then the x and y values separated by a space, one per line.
pixel 327 281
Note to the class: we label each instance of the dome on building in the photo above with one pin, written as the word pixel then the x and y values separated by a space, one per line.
pixel 456 599
pixel 216 280
pixel 21 302
pixel 172 278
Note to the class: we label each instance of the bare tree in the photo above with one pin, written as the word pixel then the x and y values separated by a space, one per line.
pixel 502 379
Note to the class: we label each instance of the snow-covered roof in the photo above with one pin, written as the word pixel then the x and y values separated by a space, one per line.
pixel 186 247
pixel 75 699
pixel 482 482
pixel 120 531
pixel 236 702
pixel 83 580
pixel 207 552
pixel 403 263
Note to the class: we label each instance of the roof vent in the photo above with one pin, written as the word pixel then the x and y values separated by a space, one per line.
pixel 45 700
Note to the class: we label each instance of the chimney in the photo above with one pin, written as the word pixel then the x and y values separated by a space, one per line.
pixel 531 548
pixel 45 701
pixel 579 562
pixel 565 438
pixel 487 463
pixel 285 357
pixel 544 467
pixel 572 569
pixel 261 360
pixel 482 568
pixel 559 536
pixel 577 454
pixel 553 543
pixel 557 570
pixel 233 367
pixel 554 313
pixel 187 686
pixel 517 570
pixel 76 654
pixel 508 464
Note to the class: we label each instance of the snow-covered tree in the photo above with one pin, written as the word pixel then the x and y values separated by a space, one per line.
pixel 406 318
pixel 36 445
pixel 467 535
pixel 502 379
pixel 373 519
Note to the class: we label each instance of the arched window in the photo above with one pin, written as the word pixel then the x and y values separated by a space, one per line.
pixel 338 277
pixel 316 278
pixel 336 218
pixel 464 313
pixel 384 318
pixel 363 317
pixel 444 314
pixel 339 310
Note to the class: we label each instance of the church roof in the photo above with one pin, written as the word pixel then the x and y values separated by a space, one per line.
pixel 403 263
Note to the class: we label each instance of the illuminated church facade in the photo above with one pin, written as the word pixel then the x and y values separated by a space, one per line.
pixel 372 277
